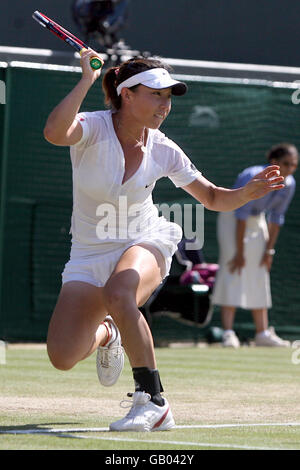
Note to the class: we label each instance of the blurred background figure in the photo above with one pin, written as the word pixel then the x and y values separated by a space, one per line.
pixel 246 250
pixel 102 21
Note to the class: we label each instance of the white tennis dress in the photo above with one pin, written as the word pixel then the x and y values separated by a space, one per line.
pixel 108 216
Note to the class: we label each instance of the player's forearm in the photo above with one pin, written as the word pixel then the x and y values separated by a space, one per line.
pixel 63 115
pixel 214 197
pixel 224 200
pixel 221 199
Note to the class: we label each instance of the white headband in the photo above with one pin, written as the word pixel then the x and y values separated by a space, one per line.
pixel 157 78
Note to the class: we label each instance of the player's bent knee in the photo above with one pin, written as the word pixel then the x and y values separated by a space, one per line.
pixel 59 360
pixel 60 363
pixel 115 299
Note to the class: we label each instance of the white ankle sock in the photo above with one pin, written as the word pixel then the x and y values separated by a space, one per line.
pixel 112 332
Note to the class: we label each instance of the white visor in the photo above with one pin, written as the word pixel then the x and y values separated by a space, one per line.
pixel 154 78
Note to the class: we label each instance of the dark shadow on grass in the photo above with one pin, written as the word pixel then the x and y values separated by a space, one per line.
pixel 39 429
pixel 35 428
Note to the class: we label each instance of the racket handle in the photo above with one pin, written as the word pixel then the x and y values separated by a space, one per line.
pixel 95 62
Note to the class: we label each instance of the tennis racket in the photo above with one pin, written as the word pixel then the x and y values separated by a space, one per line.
pixel 66 36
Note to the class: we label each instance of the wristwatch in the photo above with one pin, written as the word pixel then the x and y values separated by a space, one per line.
pixel 270 251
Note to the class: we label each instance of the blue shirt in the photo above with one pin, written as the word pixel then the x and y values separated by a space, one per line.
pixel 274 204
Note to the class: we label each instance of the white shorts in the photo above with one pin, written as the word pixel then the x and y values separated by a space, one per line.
pixel 91 266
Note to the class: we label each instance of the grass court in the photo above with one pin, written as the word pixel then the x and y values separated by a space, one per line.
pixel 246 399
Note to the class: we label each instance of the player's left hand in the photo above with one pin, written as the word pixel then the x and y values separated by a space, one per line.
pixel 263 183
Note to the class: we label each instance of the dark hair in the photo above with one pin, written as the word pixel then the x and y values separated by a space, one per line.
pixel 116 75
pixel 279 151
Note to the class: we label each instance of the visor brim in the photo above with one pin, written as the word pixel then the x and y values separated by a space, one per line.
pixel 179 89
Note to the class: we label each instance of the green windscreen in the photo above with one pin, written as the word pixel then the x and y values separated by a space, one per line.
pixel 222 127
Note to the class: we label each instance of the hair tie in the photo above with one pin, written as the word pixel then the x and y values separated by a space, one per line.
pixel 117 70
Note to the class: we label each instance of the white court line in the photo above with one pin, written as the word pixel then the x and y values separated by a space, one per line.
pixel 180 443
pixel 66 433
pixel 236 425
pixel 106 429
pixel 148 441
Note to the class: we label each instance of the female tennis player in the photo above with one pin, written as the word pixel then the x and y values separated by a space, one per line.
pixel 121 248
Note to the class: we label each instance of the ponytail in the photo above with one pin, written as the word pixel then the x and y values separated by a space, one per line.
pixel 112 100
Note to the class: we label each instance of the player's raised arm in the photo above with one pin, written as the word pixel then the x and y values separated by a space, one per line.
pixel 61 127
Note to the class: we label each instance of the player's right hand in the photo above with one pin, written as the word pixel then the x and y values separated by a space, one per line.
pixel 87 71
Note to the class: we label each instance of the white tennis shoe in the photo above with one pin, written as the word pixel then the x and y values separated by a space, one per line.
pixel 269 338
pixel 110 358
pixel 230 339
pixel 144 415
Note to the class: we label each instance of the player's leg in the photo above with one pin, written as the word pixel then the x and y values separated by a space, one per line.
pixel 75 329
pixel 137 274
